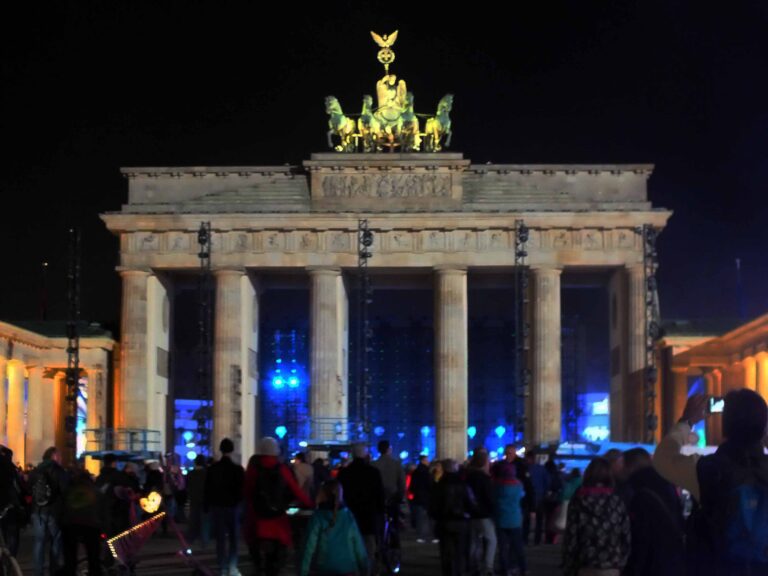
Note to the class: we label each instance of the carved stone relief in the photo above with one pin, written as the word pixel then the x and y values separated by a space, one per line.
pixel 386 185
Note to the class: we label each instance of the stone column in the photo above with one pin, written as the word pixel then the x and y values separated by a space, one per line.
pixel 750 372
pixel 3 402
pixel 249 346
pixel 37 412
pixel 328 400
pixel 678 392
pixel 636 296
pixel 451 358
pixel 762 375
pixel 15 421
pixel 712 424
pixel 133 411
pixel 733 378
pixel 634 383
pixel 546 393
pixel 617 302
pixel 60 409
pixel 96 413
pixel 158 345
pixel 226 357
pixel 49 422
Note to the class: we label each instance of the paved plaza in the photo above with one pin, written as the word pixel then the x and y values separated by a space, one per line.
pixel 159 556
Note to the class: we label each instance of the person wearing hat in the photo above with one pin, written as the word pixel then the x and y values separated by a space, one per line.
pixel 223 493
pixel 508 517
pixel 268 490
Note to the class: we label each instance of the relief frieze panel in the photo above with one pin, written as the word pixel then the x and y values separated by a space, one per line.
pixel 387 241
pixel 386 185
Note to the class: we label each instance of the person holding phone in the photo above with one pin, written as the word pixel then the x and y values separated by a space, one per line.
pixel 727 534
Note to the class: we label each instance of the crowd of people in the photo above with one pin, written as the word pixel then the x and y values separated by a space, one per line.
pixel 627 515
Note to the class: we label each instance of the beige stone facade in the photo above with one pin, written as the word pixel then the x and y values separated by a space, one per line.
pixel 33 361
pixel 724 360
pixel 428 212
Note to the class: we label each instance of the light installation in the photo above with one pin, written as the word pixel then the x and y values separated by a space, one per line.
pixel 471 431
pixel 285 394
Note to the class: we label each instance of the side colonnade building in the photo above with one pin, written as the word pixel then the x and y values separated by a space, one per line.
pixel 33 361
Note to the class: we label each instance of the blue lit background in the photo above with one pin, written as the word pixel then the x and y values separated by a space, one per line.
pixel 284 367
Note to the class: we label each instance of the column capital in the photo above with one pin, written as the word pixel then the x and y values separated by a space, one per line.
pixel 324 270
pixel 133 271
pixel 448 269
pixel 544 269
pixel 635 267
pixel 680 369
pixel 228 271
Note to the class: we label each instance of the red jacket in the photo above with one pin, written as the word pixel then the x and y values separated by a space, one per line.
pixel 279 528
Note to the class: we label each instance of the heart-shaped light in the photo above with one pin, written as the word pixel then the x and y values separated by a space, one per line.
pixel 151 503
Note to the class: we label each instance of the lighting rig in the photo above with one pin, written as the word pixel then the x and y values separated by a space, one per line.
pixel 364 330
pixel 652 330
pixel 522 327
pixel 203 414
pixel 73 345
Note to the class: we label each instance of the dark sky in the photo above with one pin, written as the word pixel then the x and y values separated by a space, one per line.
pixel 89 87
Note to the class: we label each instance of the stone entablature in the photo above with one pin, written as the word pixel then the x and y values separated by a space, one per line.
pixel 35 349
pixel 335 183
pixel 162 241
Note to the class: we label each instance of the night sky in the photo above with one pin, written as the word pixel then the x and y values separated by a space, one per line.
pixel 90 87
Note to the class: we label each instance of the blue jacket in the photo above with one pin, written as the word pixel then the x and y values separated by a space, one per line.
pixel 506 496
pixel 335 550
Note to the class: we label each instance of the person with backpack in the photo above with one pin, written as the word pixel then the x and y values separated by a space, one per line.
pixel 364 490
pixel 81 523
pixel 597 532
pixel 12 493
pixel 114 497
pixel 727 532
pixel 334 544
pixel 451 507
pixel 49 481
pixel 482 545
pixel 268 490
pixel 507 493
pixel 222 496
pixel 656 519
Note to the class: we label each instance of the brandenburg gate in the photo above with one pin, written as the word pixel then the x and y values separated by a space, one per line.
pixel 429 210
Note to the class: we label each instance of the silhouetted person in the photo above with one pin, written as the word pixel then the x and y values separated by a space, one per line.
pixel 727 532
pixel 269 489
pixel 656 517
pixel 364 494
pixel 48 482
pixel 451 507
pixel 420 489
pixel 222 497
pixel 597 532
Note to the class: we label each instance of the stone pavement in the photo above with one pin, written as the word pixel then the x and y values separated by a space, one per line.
pixel 159 557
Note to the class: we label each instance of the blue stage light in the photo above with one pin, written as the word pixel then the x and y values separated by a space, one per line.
pixel 303 444
pixel 500 431
pixel 471 431
pixel 191 455
pixel 425 451
pixel 281 431
pixel 378 430
pixel 277 382
pixel 403 454
pixel 293 382
pixel 425 431
pixel 188 436
pixel 279 361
